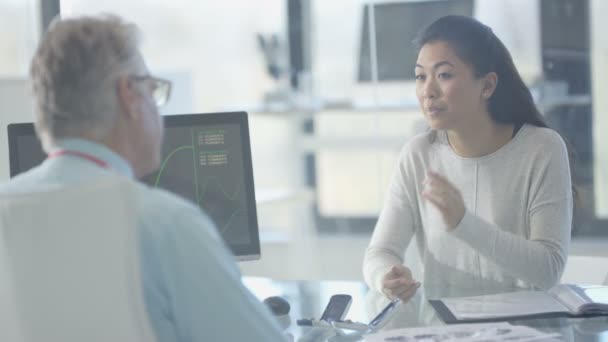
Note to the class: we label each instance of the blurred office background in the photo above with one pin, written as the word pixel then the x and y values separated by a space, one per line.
pixel 330 93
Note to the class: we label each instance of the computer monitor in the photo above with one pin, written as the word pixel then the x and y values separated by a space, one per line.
pixel 396 24
pixel 24 148
pixel 206 159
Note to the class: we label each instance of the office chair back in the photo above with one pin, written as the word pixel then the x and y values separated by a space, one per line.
pixel 69 265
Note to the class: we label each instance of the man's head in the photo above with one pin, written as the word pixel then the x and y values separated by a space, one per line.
pixel 91 82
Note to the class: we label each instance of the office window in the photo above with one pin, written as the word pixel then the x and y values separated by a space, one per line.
pixel 330 104
pixel 18 36
pixel 18 39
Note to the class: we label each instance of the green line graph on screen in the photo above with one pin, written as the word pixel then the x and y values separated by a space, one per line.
pixel 204 166
pixel 164 163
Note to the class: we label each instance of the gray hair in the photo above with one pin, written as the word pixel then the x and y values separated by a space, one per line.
pixel 74 73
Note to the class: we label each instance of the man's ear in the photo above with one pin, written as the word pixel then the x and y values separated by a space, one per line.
pixel 126 93
pixel 490 81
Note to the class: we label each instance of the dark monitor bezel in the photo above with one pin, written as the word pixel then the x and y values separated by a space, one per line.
pixel 252 251
pixel 14 131
pixel 364 67
pixel 241 252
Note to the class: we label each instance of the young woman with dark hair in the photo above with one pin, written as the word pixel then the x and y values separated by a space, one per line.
pixel 487 192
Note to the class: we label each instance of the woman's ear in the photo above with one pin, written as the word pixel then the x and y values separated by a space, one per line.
pixel 490 81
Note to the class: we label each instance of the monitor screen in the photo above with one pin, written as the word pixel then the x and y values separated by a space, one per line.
pixel 565 25
pixel 396 24
pixel 206 158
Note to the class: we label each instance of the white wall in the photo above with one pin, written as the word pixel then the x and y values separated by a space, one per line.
pixel 18 39
pixel 585 270
pixel 599 59
pixel 18 36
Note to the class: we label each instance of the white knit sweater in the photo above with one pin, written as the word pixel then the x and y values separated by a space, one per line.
pixel 516 229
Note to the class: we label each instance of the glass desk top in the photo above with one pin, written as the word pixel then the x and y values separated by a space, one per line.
pixel 308 299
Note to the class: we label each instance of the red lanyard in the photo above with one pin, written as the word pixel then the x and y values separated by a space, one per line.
pixel 78 154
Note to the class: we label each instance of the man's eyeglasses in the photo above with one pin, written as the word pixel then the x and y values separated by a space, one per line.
pixel 161 88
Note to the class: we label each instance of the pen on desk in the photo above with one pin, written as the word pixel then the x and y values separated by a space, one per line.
pixel 348 325
pixel 306 322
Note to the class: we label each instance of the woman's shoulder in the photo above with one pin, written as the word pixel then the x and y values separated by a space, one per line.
pixel 421 143
pixel 542 139
pixel 543 134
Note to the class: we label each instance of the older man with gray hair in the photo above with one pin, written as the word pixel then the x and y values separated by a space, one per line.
pixel 97 115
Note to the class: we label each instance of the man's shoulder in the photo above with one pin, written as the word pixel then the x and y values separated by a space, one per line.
pixel 160 201
pixel 173 226
pixel 169 212
pixel 25 182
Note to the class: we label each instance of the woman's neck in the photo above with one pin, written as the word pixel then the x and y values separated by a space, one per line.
pixel 480 138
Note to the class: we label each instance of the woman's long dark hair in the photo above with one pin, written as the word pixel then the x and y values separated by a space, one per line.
pixel 478 46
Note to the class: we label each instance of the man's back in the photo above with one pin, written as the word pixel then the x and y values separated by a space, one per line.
pixel 191 285
pixel 57 248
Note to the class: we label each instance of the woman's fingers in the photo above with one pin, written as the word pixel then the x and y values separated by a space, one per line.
pixel 446 197
pixel 406 294
pixel 398 283
pixel 397 292
pixel 437 199
pixel 401 271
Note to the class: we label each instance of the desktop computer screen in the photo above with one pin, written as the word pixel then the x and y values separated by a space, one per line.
pixel 396 25
pixel 206 158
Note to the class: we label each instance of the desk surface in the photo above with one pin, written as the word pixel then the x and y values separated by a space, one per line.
pixel 309 298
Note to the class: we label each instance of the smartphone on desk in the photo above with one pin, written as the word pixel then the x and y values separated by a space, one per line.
pixel 384 316
pixel 337 308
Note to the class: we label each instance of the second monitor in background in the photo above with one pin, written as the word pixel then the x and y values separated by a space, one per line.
pixel 396 25
pixel 206 158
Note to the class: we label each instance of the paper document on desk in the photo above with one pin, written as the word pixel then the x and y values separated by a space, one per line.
pixel 464 332
pixel 564 300
pixel 503 305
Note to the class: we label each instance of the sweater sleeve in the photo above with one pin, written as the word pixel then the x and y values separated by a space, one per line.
pixel 539 258
pixel 394 229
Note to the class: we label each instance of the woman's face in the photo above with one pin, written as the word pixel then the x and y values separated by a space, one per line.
pixel 449 94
